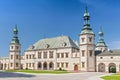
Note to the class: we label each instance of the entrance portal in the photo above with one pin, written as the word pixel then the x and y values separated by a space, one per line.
pixel 112 68
pixel 76 67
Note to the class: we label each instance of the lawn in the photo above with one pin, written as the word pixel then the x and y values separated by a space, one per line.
pixel 112 77
pixel 40 71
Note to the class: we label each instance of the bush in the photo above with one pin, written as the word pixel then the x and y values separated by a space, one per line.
pixel 60 69
pixel 26 68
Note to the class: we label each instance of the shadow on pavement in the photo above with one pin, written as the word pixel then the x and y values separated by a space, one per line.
pixel 10 75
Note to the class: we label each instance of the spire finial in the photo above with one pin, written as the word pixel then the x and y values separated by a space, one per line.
pixel 86 9
pixel 101 32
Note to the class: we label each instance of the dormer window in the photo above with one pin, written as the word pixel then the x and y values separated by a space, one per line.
pixel 63 44
pixel 47 46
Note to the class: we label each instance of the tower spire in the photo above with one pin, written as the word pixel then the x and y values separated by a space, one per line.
pixel 15 36
pixel 101 43
pixel 86 27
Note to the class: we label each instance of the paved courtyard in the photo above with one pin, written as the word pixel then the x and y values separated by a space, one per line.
pixel 70 76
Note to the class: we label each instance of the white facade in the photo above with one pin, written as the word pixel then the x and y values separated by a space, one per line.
pixel 63 53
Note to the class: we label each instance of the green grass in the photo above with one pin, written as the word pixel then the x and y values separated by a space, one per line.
pixel 40 71
pixel 112 77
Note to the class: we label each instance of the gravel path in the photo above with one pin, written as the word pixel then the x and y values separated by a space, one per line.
pixel 70 76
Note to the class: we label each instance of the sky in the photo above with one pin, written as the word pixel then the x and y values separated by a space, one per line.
pixel 37 19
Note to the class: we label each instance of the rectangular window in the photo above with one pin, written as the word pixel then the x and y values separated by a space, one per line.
pixel 50 54
pixel 83 64
pixel 32 64
pixel 11 64
pixel 16 64
pixel 66 65
pixel 26 65
pixel 90 52
pixel 62 64
pixel 58 64
pixel 90 39
pixel 26 56
pixel 17 47
pixel 39 55
pixel 29 64
pixel 17 56
pixel 58 55
pixel 62 55
pixel 83 53
pixel 29 56
pixel 83 39
pixel 66 55
pixel 11 47
pixel 11 56
pixel 45 54
pixel 33 56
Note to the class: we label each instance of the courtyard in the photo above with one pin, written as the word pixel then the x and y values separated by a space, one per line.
pixel 68 76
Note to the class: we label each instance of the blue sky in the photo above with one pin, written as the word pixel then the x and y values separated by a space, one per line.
pixel 38 19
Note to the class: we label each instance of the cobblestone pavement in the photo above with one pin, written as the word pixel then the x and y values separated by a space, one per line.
pixel 70 76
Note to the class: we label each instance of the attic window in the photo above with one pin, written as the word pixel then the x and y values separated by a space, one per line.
pixel 47 46
pixel 63 44
pixel 32 47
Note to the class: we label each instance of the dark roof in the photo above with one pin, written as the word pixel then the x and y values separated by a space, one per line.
pixel 108 53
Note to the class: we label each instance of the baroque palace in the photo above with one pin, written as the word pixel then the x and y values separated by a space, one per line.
pixel 64 53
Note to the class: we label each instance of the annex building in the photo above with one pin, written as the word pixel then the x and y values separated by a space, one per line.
pixel 63 52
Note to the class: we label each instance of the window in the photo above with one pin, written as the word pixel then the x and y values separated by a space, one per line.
pixel 45 54
pixel 11 47
pixel 101 57
pixel 90 39
pixel 51 54
pixel 16 64
pixel 58 64
pixel 17 56
pixel 32 64
pixel 76 55
pixel 26 65
pixel 62 55
pixel 66 65
pixel 11 56
pixel 83 64
pixel 17 47
pixel 90 52
pixel 29 56
pixel 33 56
pixel 11 64
pixel 111 57
pixel 39 54
pixel 83 39
pixel 29 64
pixel 62 64
pixel 26 56
pixel 58 55
pixel 83 53
pixel 66 55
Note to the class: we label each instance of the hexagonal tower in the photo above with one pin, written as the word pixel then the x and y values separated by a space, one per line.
pixel 14 56
pixel 101 46
pixel 87 46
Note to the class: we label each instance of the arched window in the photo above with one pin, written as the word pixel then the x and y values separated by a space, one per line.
pixel 51 65
pixel 39 65
pixel 45 65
